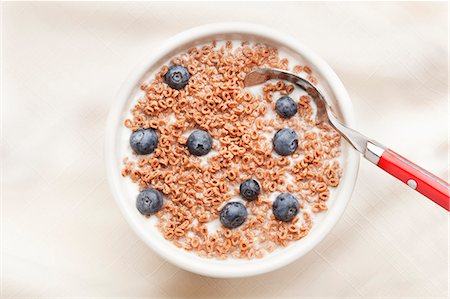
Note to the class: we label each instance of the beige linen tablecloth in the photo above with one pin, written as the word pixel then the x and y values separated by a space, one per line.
pixel 62 233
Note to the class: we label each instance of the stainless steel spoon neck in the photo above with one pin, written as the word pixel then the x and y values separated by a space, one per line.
pixel 370 149
pixel 374 151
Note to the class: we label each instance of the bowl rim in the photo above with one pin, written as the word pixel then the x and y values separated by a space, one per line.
pixel 207 268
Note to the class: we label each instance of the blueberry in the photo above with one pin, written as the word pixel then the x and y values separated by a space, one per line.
pixel 199 143
pixel 233 214
pixel 144 141
pixel 149 201
pixel 249 189
pixel 285 142
pixel 285 207
pixel 177 76
pixel 286 107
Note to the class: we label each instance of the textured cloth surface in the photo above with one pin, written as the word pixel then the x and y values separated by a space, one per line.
pixel 62 233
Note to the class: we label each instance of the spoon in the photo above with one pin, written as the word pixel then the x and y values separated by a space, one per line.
pixel 414 176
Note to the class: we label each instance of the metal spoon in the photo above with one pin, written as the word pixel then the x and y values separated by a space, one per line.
pixel 415 177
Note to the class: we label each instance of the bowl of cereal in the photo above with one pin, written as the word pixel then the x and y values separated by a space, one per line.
pixel 220 179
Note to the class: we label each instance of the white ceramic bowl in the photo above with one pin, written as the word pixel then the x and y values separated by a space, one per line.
pixel 125 193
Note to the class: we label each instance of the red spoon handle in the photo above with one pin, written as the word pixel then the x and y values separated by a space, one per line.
pixel 416 177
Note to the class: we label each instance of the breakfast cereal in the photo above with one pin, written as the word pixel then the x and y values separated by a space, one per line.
pixel 213 134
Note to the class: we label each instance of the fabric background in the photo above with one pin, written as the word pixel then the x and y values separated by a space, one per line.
pixel 62 233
